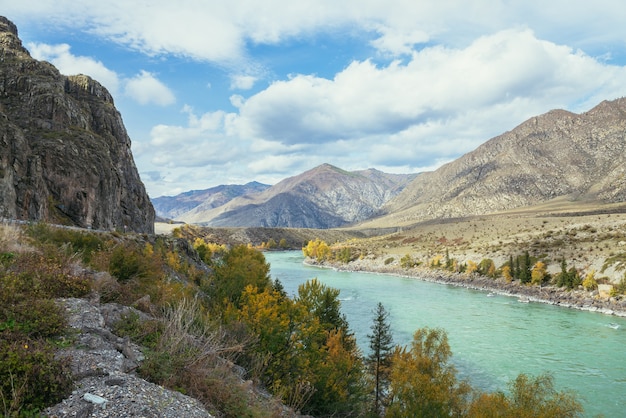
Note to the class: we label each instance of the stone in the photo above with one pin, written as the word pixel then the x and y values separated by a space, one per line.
pixel 96 400
pixel 65 155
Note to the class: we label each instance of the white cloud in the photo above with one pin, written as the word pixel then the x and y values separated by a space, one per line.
pixel 145 88
pixel 219 31
pixel 438 84
pixel 242 82
pixel 396 42
pixel 462 75
pixel 61 57
pixel 204 140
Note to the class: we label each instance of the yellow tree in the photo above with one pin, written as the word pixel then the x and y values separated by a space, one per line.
pixel 506 273
pixel 340 389
pixel 472 267
pixel 287 339
pixel 317 249
pixel 590 283
pixel 239 267
pixel 538 273
pixel 422 382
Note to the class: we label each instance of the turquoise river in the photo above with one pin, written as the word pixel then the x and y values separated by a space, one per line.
pixel 493 338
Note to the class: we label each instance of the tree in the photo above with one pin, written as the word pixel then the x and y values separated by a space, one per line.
pixel 538 273
pixel 339 388
pixel 472 267
pixel 287 344
pixel 317 249
pixel 337 362
pixel 487 268
pixel 506 273
pixel 323 302
pixel 525 266
pixel 423 383
pixel 408 262
pixel 379 359
pixel 590 282
pixel 449 261
pixel 239 267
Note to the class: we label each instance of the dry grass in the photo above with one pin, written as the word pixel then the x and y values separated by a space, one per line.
pixel 588 237
pixel 12 239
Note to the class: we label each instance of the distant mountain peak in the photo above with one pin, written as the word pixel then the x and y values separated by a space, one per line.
pixel 557 154
pixel 324 196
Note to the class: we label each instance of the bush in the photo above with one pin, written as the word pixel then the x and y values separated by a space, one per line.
pixel 30 377
pixel 142 332
pixel 128 263
pixel 33 275
pixel 81 242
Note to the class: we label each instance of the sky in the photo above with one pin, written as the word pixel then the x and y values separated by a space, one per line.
pixel 227 92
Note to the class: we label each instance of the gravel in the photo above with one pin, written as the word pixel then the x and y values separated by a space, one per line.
pixel 103 364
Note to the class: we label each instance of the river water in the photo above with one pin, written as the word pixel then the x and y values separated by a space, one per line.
pixel 492 338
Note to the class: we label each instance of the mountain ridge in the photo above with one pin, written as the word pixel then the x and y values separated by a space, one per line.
pixel 322 197
pixel 173 206
pixel 557 154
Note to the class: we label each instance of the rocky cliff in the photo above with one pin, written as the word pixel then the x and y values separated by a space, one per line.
pixel 65 155
pixel 578 157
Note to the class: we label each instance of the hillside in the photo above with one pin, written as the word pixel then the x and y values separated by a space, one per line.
pixel 579 157
pixel 65 156
pixel 323 197
pixel 170 207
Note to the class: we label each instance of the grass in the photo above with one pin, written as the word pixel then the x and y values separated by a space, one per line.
pixel 184 349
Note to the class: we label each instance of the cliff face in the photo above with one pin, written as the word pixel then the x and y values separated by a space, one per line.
pixel 65 155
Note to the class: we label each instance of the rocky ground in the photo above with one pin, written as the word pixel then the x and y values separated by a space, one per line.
pixel 103 366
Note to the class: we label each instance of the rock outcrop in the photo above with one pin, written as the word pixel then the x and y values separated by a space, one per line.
pixel 103 363
pixel 65 155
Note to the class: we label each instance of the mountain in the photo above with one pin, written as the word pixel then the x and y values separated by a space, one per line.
pixel 577 157
pixel 65 155
pixel 201 200
pixel 323 197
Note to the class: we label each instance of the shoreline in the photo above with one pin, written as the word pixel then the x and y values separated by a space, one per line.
pixel 573 299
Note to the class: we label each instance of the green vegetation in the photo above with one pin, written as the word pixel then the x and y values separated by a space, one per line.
pixel 31 326
pixel 379 360
pixel 523 268
pixel 216 323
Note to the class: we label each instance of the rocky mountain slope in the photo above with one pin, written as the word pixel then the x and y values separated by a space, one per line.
pixel 201 200
pixel 580 157
pixel 323 197
pixel 65 155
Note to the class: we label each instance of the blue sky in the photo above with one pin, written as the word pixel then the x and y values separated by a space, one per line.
pixel 215 92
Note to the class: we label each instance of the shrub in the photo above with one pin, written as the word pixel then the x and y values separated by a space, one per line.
pixel 30 377
pixel 127 262
pixel 81 242
pixel 142 332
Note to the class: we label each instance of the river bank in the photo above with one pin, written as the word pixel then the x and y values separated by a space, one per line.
pixel 575 299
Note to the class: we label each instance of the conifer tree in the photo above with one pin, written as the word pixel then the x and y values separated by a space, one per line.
pixel 379 360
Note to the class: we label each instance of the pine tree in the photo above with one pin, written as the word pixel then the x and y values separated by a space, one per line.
pixel 379 360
